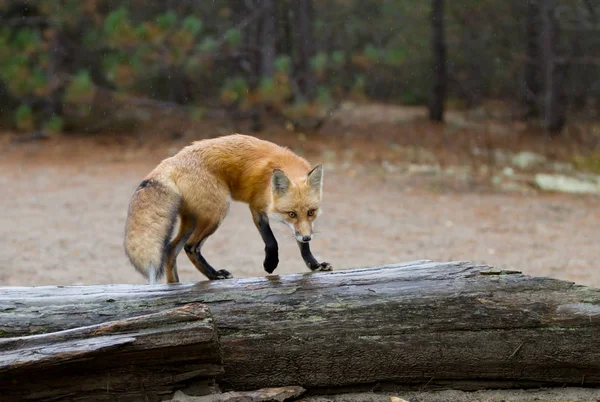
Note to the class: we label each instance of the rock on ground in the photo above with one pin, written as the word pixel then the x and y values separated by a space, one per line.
pixel 566 184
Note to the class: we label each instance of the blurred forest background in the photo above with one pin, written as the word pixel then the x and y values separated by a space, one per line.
pixel 449 130
pixel 72 64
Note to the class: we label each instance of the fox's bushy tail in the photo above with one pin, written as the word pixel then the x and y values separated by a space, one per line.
pixel 151 218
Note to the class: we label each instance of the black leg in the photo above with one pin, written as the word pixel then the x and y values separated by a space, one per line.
pixel 271 248
pixel 193 253
pixel 311 261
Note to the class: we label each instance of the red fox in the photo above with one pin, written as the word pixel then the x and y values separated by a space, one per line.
pixel 196 186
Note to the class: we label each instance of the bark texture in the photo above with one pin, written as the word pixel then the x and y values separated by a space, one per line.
pixel 424 322
pixel 139 358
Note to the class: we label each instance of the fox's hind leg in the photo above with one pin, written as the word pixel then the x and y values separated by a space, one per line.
pixel 186 228
pixel 193 250
pixel 208 203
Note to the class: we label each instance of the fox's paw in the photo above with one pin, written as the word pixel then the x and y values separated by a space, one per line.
pixel 322 267
pixel 271 262
pixel 223 274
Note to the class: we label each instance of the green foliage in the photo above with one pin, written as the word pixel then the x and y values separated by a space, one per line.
pixel 143 51
pixel 27 40
pixel 319 63
pixel 371 53
pixel 91 38
pixel 283 64
pixel 115 20
pixel 167 20
pixel 55 124
pixel 233 37
pixel 24 118
pixel 298 110
pixel 38 82
pixel 358 87
pixel 81 89
pixel 274 91
pixel 197 113
pixel 410 98
pixel 4 43
pixel 338 59
pixel 208 45
pixel 234 90
pixel 324 98
pixel 188 54
pixel 395 57
pixel 192 25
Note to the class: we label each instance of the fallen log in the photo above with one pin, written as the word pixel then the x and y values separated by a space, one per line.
pixel 144 357
pixel 454 324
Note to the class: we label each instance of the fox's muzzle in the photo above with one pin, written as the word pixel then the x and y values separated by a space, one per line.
pixel 303 231
pixel 303 239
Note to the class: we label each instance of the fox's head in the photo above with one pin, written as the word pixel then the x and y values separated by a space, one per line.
pixel 296 202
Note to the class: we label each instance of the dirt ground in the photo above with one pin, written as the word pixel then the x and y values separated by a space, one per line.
pixel 547 394
pixel 64 205
pixel 530 395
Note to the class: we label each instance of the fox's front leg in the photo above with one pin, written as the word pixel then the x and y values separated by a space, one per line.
pixel 310 260
pixel 261 220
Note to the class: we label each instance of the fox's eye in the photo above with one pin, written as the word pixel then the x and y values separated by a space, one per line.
pixel 311 212
pixel 292 214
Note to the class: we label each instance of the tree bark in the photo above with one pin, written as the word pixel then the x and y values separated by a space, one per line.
pixel 455 324
pixel 142 357
pixel 436 107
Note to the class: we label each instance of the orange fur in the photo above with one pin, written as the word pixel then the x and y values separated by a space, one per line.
pixel 197 184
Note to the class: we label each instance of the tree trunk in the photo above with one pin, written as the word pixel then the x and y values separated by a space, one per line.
pixel 284 44
pixel 553 110
pixel 454 324
pixel 304 47
pixel 268 38
pixel 532 64
pixel 53 105
pixel 436 107
pixel 114 359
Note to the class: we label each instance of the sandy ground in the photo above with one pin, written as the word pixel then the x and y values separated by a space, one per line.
pixel 62 223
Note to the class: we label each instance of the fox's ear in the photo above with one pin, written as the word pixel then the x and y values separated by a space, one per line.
pixel 315 178
pixel 279 182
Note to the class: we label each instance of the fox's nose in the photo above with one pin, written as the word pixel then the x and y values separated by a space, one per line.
pixel 306 238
